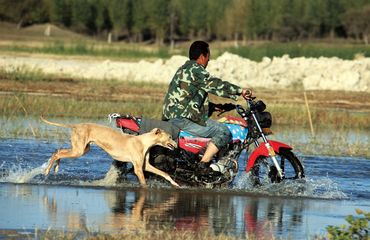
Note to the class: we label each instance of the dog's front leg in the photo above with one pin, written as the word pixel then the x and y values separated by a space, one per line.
pixel 138 169
pixel 154 170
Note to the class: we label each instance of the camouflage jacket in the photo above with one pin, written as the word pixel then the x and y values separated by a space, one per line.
pixel 187 95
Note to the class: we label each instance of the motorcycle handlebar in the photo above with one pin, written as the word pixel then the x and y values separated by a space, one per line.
pixel 240 109
pixel 226 107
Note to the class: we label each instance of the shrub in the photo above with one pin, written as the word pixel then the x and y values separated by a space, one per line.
pixel 358 228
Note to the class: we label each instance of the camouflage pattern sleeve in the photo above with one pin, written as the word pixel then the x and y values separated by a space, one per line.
pixel 215 85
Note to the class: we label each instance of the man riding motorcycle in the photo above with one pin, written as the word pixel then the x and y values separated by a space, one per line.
pixel 186 104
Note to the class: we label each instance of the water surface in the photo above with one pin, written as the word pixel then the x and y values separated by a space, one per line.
pixel 83 196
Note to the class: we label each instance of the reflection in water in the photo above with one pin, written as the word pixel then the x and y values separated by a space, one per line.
pixel 133 210
pixel 73 220
pixel 122 210
pixel 254 216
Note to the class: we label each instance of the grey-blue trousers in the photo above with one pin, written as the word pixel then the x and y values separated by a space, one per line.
pixel 218 132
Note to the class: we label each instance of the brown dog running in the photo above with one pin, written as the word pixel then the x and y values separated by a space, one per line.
pixel 120 146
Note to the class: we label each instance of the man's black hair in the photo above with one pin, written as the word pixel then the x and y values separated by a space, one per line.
pixel 197 48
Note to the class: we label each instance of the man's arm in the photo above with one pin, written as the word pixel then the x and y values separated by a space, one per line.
pixel 215 85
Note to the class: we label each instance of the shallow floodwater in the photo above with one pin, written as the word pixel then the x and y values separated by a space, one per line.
pixel 82 196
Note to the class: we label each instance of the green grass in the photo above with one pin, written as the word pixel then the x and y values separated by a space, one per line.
pixel 315 50
pixel 20 119
pixel 93 100
pixel 162 233
pixel 15 105
pixel 23 73
pixel 293 115
pixel 81 48
pixel 137 52
pixel 296 115
pixel 329 142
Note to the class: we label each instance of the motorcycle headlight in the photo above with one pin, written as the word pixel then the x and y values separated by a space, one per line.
pixel 260 106
pixel 264 119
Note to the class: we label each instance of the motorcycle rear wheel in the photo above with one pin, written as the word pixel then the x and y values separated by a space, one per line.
pixel 264 172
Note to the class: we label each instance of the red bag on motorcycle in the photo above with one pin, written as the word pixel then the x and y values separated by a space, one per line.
pixel 128 123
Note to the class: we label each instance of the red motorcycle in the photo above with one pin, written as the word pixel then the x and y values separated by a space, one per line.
pixel 269 161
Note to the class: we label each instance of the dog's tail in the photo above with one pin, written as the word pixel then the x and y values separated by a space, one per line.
pixel 56 124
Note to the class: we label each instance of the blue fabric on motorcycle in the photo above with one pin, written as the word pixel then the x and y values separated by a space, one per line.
pixel 238 132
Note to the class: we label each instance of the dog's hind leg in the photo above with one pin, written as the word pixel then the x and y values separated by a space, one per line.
pixel 55 157
pixel 57 162
pixel 79 148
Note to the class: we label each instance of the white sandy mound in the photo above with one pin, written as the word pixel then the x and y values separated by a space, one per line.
pixel 278 72
pixel 284 72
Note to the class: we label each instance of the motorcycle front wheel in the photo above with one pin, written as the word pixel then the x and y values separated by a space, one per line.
pixel 264 171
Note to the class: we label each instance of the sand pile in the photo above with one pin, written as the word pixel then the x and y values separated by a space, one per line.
pixel 278 72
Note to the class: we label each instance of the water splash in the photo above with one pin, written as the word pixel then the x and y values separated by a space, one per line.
pixel 110 178
pixel 242 181
pixel 323 188
pixel 18 175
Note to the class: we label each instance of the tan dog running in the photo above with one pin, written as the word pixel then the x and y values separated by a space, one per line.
pixel 120 146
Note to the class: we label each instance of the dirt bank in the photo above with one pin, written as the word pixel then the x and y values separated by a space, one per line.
pixel 282 73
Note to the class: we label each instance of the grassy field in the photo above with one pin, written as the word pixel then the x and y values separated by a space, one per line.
pixel 27 94
pixel 61 42
pixel 135 52
pixel 37 93
pixel 153 234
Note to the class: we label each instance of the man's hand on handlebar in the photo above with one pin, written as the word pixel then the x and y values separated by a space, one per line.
pixel 224 107
pixel 221 108
pixel 228 107
pixel 247 93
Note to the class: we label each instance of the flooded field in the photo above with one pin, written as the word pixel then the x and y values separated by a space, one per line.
pixel 82 196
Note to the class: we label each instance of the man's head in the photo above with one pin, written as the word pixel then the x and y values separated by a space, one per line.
pixel 199 51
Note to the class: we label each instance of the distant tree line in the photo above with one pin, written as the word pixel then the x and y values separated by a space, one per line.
pixel 165 21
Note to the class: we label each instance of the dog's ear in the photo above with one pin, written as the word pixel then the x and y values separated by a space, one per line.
pixel 158 131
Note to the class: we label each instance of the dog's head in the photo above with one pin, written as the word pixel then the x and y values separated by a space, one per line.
pixel 164 139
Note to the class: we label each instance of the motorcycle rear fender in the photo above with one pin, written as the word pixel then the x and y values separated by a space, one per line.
pixel 262 151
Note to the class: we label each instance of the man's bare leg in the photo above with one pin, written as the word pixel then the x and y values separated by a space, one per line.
pixel 203 165
pixel 210 152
